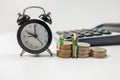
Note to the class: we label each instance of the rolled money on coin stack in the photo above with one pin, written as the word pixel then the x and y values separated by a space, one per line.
pixel 65 50
pixel 83 50
pixel 98 52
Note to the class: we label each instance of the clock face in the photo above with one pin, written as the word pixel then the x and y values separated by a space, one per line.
pixel 34 36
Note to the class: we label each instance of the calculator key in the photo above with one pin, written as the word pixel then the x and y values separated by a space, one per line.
pixel 88 34
pixel 80 36
pixel 94 29
pixel 71 33
pixel 83 33
pixel 86 29
pixel 68 37
pixel 100 30
pixel 58 32
pixel 77 31
pixel 106 32
pixel 97 33
pixel 66 32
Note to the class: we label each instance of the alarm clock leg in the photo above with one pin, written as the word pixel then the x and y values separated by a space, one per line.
pixel 49 51
pixel 23 51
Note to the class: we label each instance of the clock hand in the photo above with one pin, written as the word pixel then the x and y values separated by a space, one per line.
pixel 40 41
pixel 35 28
pixel 31 34
pixel 35 36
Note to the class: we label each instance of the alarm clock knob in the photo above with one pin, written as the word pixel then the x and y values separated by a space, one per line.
pixel 46 17
pixel 22 18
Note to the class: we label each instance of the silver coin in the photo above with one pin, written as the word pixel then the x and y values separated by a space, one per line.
pixel 99 50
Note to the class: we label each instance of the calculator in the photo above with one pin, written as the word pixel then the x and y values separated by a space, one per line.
pixel 103 34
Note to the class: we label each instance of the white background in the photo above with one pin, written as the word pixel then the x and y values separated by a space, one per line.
pixel 70 14
pixel 66 14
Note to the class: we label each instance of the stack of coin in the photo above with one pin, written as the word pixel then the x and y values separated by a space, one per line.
pixel 83 50
pixel 98 52
pixel 65 50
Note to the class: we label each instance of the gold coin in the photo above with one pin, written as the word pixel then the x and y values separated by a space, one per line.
pixel 83 44
pixel 83 55
pixel 83 52
pixel 64 53
pixel 64 56
pixel 67 45
pixel 99 55
pixel 85 49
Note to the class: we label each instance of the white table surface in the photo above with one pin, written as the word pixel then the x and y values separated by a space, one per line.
pixel 29 67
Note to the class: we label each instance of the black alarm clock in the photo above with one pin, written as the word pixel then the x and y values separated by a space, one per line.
pixel 34 35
